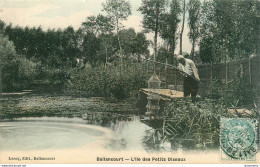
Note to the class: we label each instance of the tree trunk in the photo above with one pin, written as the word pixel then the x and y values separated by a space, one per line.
pixel 139 58
pixel 156 33
pixel 182 29
pixel 171 54
pixel 193 48
pixel 120 49
pixel 226 67
pixel 106 53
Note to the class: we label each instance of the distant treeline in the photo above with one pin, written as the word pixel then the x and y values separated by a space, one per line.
pixel 58 48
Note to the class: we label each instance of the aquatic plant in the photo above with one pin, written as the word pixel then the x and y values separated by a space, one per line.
pixel 187 125
pixel 110 81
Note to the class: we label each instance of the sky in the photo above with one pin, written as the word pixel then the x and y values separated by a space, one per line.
pixel 64 13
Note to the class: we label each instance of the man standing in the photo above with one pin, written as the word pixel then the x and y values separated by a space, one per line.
pixel 191 79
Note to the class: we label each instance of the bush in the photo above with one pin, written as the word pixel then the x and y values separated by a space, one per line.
pixel 48 79
pixel 237 93
pixel 194 124
pixel 108 81
pixel 8 63
pixel 214 89
pixel 27 73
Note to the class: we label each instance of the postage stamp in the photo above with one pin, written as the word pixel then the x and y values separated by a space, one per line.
pixel 238 139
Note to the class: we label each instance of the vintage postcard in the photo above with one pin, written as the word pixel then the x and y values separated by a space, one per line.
pixel 129 82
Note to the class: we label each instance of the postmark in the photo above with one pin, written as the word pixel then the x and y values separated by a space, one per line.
pixel 238 139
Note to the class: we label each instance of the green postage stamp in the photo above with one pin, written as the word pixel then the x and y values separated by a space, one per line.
pixel 238 139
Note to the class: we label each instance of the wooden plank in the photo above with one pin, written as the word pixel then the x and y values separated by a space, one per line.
pixel 165 93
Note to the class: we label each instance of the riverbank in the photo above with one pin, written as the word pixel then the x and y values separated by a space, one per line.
pixel 17 105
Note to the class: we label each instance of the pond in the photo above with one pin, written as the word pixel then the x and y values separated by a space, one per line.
pixel 40 122
pixel 40 133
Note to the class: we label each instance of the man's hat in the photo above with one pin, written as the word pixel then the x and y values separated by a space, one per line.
pixel 179 57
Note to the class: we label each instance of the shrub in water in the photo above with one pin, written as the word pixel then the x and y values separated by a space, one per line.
pixel 193 124
pixel 109 81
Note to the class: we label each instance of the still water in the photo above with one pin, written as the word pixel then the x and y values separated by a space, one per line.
pixel 40 133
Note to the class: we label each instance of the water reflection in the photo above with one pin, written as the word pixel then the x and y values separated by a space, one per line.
pixel 127 130
pixel 27 135
pixel 119 131
pixel 39 133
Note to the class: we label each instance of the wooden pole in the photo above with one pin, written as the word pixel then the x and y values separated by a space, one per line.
pixel 226 68
pixel 211 71
pixel 156 32
pixel 249 70
pixel 181 72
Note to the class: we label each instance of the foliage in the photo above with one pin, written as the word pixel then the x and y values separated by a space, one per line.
pixel 117 10
pixel 152 11
pixel 107 81
pixel 237 93
pixel 186 126
pixel 228 29
pixel 100 28
pixel 93 42
pixel 55 48
pixel 35 105
pixel 193 22
pixel 91 45
pixel 8 63
pixel 26 74
pixel 162 54
pixel 133 44
pixel 194 124
pixel 49 79
pixel 214 90
pixel 149 9
pixel 141 45
pixel 168 27
pixel 98 25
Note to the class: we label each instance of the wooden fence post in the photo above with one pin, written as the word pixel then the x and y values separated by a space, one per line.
pixel 249 70
pixel 241 70
pixel 226 77
pixel 211 70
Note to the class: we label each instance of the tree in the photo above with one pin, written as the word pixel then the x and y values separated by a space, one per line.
pixel 207 44
pixel 102 27
pixel 229 29
pixel 163 54
pixel 70 49
pixel 245 36
pixel 193 22
pixel 183 22
pixel 17 35
pixel 152 11
pixel 8 63
pixel 108 46
pixel 2 26
pixel 117 10
pixel 98 25
pixel 141 45
pixel 134 44
pixel 91 47
pixel 127 36
pixel 168 28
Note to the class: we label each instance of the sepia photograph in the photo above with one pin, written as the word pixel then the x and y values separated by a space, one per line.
pixel 129 82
